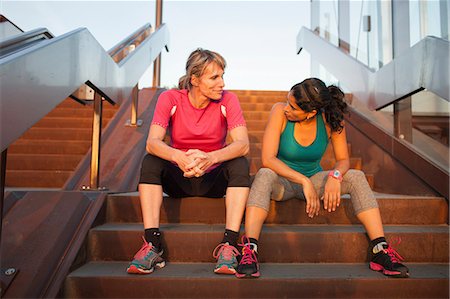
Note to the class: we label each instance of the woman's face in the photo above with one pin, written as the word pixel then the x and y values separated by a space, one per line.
pixel 293 112
pixel 210 84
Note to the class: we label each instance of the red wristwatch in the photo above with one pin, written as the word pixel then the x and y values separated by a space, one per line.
pixel 336 174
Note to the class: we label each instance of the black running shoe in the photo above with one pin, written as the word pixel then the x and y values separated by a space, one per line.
pixel 248 265
pixel 385 259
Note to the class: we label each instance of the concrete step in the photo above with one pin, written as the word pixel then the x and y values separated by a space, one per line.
pixel 58 134
pixel 395 209
pixel 30 146
pixel 43 161
pixel 278 244
pixel 37 178
pixel 197 280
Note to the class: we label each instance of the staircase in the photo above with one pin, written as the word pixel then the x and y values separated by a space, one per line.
pixel 49 152
pixel 323 257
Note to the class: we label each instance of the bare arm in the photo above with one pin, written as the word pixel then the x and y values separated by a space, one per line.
pixel 157 147
pixel 270 146
pixel 332 191
pixel 237 148
pixel 271 143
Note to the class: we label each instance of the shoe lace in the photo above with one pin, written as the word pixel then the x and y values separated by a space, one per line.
pixel 146 247
pixel 226 250
pixel 393 254
pixel 248 255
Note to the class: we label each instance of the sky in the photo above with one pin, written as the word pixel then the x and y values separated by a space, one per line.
pixel 257 38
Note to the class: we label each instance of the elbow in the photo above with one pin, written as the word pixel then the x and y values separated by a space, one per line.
pixel 245 149
pixel 150 147
pixel 265 162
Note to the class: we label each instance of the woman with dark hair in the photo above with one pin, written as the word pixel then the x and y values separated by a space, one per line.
pixel 295 139
pixel 197 162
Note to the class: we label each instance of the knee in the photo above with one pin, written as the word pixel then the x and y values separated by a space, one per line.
pixel 237 172
pixel 151 162
pixel 355 176
pixel 266 174
pixel 151 169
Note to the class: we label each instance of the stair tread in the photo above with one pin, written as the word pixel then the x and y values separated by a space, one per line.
pixel 309 271
pixel 276 228
pixel 378 195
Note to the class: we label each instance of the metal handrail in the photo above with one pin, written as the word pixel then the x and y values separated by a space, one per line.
pixel 50 71
pixel 139 34
pixel 386 86
pixel 23 37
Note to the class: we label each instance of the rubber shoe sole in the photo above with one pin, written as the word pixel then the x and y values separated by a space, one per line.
pixel 132 269
pixel 246 275
pixel 395 274
pixel 225 270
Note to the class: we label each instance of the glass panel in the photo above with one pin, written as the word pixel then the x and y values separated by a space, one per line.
pixel 428 18
pixel 370 32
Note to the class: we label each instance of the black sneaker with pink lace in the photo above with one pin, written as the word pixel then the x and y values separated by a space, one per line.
pixel 248 265
pixel 385 259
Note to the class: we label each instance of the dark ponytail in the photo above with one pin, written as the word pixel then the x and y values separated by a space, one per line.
pixel 312 94
pixel 335 108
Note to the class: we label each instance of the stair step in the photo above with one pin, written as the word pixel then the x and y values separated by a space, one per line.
pixel 68 122
pixel 278 243
pixel 395 209
pixel 58 134
pixel 197 280
pixel 70 103
pixel 30 146
pixel 43 161
pixel 37 178
pixel 256 106
pixel 79 112
pixel 256 115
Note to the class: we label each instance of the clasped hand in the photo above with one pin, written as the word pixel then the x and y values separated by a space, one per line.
pixel 194 162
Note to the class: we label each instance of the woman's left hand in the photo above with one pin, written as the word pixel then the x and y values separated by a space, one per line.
pixel 332 194
pixel 199 165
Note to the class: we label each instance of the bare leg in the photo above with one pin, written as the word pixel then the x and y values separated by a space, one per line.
pixel 254 220
pixel 236 199
pixel 151 197
pixel 371 219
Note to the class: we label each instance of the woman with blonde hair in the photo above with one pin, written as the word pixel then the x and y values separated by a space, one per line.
pixel 197 162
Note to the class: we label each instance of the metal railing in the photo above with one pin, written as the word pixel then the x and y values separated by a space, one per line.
pixel 389 84
pixel 424 66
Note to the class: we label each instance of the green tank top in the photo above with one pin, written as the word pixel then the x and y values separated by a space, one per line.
pixel 303 159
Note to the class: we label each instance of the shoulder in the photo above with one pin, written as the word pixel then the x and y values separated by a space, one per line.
pixel 278 108
pixel 228 97
pixel 173 94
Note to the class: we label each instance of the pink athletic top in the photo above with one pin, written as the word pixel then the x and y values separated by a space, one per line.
pixel 192 128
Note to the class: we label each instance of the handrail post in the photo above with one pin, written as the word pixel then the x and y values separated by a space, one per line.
pixel 403 119
pixel 133 121
pixel 157 62
pixel 96 138
pixel 2 188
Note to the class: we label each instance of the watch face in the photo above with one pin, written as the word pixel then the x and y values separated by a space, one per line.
pixel 336 173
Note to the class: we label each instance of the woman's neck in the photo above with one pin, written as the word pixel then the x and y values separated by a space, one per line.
pixel 197 100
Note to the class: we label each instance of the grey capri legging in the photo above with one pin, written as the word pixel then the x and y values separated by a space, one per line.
pixel 269 185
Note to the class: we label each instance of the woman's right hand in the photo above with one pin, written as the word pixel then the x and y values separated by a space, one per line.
pixel 312 199
pixel 186 162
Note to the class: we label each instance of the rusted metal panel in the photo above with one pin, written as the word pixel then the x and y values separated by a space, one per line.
pixel 42 234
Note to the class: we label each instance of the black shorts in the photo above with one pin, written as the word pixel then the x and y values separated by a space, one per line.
pixel 232 173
